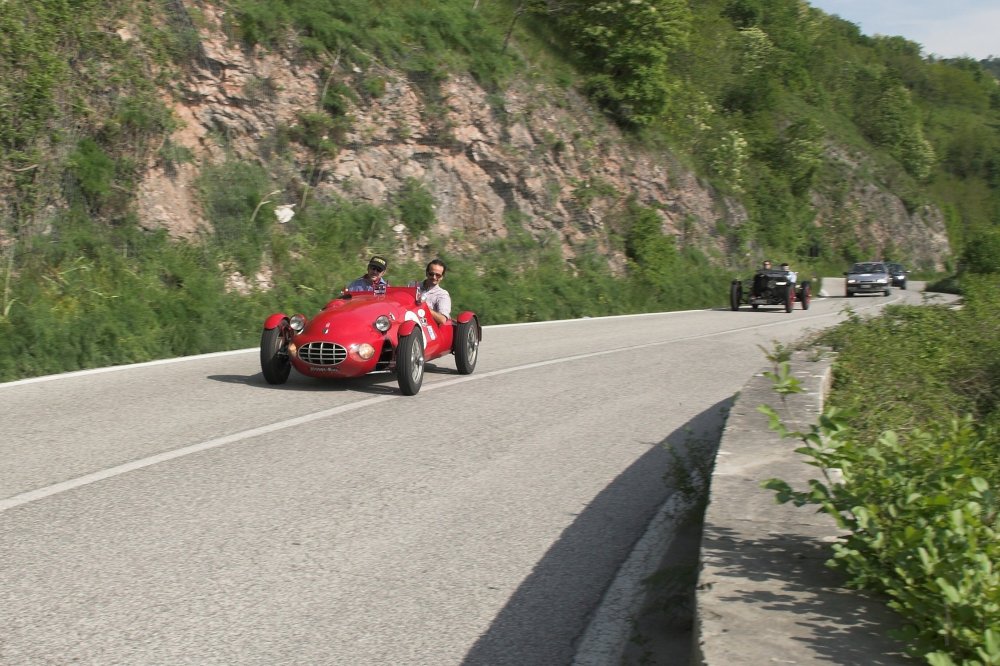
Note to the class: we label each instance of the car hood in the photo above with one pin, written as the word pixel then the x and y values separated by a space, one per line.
pixel 353 317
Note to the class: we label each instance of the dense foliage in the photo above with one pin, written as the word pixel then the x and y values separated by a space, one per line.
pixel 913 426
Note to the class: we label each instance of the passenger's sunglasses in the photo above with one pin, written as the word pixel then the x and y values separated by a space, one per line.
pixel 433 274
pixel 377 269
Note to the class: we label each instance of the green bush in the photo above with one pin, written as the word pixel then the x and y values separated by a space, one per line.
pixel 416 206
pixel 93 171
pixel 924 519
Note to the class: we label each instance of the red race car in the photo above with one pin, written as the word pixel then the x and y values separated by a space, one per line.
pixel 362 333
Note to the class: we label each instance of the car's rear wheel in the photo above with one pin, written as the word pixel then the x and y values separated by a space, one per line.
pixel 806 295
pixel 466 347
pixel 410 363
pixel 789 298
pixel 274 362
pixel 735 295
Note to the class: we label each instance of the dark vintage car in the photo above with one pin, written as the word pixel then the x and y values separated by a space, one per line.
pixel 867 277
pixel 770 287
pixel 897 274
pixel 364 333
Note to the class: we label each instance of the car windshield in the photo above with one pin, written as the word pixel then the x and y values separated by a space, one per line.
pixel 868 268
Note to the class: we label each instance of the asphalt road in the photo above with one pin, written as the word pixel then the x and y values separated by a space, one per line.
pixel 187 512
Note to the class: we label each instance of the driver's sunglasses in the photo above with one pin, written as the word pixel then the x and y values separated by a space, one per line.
pixel 433 274
pixel 377 269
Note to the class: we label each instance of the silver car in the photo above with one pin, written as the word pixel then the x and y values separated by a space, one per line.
pixel 868 277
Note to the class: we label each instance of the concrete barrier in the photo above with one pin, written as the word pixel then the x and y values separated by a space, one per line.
pixel 764 594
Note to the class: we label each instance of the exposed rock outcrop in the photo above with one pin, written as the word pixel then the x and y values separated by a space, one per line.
pixel 537 157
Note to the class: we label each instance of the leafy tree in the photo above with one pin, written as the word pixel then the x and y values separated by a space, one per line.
pixel 627 45
pixel 982 252
pixel 891 120
pixel 755 85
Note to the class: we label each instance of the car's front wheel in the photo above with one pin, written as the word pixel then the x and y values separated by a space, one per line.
pixel 466 347
pixel 806 295
pixel 410 363
pixel 274 362
pixel 735 295
pixel 789 298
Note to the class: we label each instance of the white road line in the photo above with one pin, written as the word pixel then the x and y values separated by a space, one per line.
pixel 116 368
pixel 118 470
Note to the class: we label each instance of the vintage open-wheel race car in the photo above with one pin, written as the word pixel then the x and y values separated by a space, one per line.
pixel 362 333
pixel 770 287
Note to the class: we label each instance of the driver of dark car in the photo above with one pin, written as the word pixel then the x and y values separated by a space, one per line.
pixel 760 279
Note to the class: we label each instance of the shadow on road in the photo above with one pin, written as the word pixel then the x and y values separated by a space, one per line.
pixel 551 608
pixel 376 384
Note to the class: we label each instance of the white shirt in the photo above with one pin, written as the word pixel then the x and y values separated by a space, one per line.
pixel 438 299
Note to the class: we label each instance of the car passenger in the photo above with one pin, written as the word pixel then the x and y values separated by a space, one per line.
pixel 792 275
pixel 373 280
pixel 435 296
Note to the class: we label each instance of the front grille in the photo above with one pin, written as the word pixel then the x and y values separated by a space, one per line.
pixel 322 353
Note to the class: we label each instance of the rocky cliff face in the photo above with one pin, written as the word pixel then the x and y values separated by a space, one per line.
pixel 537 157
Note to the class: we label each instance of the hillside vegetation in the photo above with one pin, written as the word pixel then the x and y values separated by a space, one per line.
pixel 768 102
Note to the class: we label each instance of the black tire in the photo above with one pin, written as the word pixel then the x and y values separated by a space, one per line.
pixel 735 295
pixel 887 292
pixel 274 362
pixel 806 295
pixel 850 294
pixel 410 363
pixel 903 285
pixel 466 347
pixel 789 298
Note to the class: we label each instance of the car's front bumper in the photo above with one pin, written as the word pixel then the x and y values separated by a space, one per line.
pixel 866 287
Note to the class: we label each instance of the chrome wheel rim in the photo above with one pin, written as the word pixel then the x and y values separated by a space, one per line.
pixel 472 346
pixel 416 363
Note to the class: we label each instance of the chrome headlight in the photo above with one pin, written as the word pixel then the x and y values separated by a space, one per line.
pixel 382 324
pixel 881 281
pixel 852 281
pixel 297 323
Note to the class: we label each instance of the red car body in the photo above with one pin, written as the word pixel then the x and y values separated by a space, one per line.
pixel 362 333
